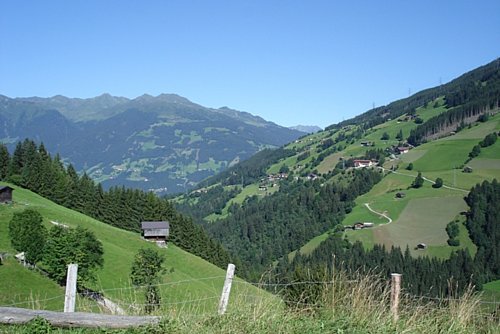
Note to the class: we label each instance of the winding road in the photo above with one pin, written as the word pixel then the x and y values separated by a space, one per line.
pixel 389 220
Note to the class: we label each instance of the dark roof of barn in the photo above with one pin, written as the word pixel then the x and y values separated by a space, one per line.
pixel 154 225
pixel 5 188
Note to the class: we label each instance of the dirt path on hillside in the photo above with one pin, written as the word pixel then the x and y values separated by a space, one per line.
pixel 389 220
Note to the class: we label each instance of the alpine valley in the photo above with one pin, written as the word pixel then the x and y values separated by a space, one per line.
pixel 321 222
pixel 166 143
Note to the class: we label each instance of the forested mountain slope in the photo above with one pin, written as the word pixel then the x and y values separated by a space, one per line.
pixel 456 125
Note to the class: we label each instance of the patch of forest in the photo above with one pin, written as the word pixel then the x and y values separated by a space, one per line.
pixel 261 231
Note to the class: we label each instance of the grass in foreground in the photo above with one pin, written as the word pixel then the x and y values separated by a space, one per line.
pixel 361 305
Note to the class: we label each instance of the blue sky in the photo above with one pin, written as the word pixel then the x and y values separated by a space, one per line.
pixel 291 62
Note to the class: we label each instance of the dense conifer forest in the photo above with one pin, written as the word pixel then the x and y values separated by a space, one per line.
pixel 261 231
pixel 32 167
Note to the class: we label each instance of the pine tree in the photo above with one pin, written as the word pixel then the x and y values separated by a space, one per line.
pixel 418 182
pixel 4 162
pixel 399 136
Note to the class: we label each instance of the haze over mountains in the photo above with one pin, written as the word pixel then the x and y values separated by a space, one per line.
pixel 164 143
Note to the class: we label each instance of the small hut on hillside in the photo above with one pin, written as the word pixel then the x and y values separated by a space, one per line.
pixel 421 246
pixel 155 231
pixel 6 194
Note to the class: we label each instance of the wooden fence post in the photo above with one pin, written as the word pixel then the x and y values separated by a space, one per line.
pixel 224 298
pixel 395 290
pixel 70 296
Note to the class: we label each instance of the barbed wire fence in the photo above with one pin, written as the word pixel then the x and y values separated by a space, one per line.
pixel 204 304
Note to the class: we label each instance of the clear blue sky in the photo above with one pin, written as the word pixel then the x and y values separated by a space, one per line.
pixel 291 62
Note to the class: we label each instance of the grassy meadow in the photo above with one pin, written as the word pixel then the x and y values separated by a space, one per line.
pixel 422 215
pixel 188 278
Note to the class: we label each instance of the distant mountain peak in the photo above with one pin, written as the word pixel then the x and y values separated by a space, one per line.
pixel 172 98
pixel 144 97
pixel 306 128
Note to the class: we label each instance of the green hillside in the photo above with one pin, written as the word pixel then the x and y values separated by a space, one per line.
pixel 444 124
pixel 423 214
pixel 188 280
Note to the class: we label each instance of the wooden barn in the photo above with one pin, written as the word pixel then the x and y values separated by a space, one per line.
pixel 6 194
pixel 155 231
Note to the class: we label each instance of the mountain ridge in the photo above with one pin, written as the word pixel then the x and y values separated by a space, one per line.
pixel 164 143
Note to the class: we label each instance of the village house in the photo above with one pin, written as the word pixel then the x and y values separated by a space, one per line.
pixel 403 150
pixel 6 194
pixel 312 177
pixel 155 231
pixel 363 163
pixel 360 225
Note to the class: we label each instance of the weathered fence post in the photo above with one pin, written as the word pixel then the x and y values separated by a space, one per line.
pixel 224 298
pixel 395 290
pixel 70 296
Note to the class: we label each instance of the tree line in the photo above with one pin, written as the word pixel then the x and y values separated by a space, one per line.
pixel 460 91
pixel 260 231
pixel 32 167
pixel 471 100
pixel 423 275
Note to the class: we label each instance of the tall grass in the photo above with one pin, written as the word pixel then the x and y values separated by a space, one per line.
pixel 359 305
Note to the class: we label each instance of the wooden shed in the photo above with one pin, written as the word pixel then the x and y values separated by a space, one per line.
pixel 421 246
pixel 156 231
pixel 6 194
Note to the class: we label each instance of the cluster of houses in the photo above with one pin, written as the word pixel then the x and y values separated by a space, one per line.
pixel 407 118
pixel 367 143
pixel 272 180
pixel 358 163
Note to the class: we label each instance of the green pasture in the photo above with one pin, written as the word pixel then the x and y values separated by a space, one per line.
pixel 458 179
pixel 24 288
pixel 444 155
pixel 412 155
pixel 382 198
pixel 491 291
pixel 120 248
pixel 247 191
pixel 491 152
pixel 479 130
pixel 329 162
pixel 423 220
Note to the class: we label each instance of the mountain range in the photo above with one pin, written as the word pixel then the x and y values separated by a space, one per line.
pixel 166 143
